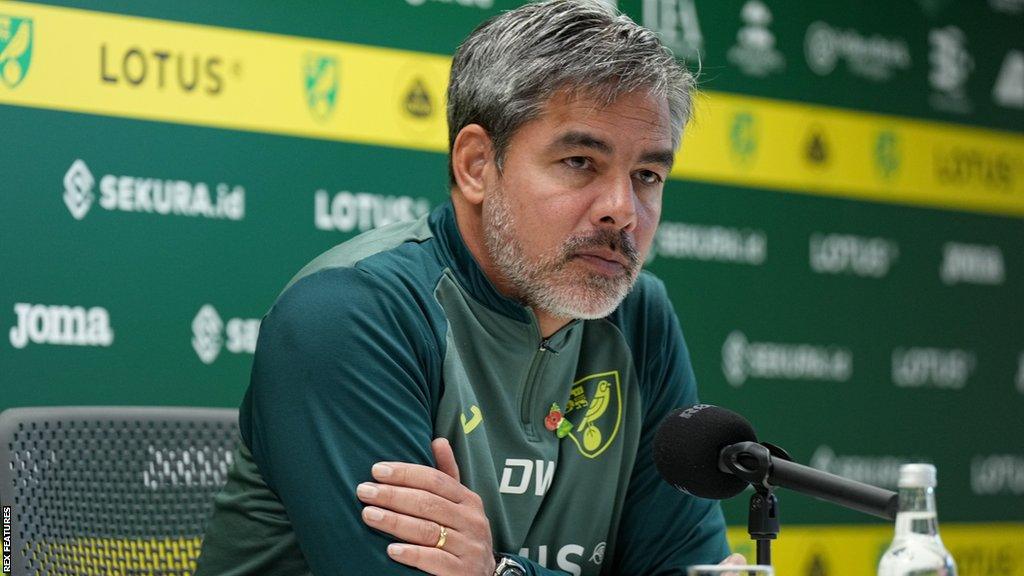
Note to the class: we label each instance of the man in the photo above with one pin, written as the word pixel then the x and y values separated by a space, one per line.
pixel 488 379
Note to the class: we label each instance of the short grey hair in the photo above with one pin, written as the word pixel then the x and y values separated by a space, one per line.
pixel 511 65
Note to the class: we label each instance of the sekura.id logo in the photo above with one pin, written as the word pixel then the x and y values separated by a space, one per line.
pixel 210 334
pixel 887 154
pixel 151 195
pixel 15 49
pixel 321 82
pixel 676 23
pixel 754 52
pixel 951 66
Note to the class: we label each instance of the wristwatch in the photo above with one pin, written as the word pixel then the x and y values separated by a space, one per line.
pixel 508 567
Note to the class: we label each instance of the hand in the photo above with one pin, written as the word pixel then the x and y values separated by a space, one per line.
pixel 412 502
pixel 734 559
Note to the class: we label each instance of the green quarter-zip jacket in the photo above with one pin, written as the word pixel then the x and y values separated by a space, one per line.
pixel 397 337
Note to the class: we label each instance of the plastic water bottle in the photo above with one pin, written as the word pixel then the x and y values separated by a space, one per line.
pixel 917 549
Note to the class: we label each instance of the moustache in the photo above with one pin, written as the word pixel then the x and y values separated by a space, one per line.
pixel 614 240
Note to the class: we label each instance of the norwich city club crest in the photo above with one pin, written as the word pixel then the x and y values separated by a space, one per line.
pixel 595 410
pixel 743 136
pixel 321 78
pixel 15 49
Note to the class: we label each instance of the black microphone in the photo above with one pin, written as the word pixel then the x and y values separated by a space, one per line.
pixel 712 452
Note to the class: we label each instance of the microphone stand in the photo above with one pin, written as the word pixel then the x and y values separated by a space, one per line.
pixel 752 463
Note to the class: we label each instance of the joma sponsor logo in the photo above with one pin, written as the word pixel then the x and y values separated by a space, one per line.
pixel 996 474
pixel 972 264
pixel 932 367
pixel 742 360
pixel 150 195
pixel 210 334
pixel 849 254
pixel 711 243
pixel 875 470
pixel 359 211
pixel 60 325
pixel 873 57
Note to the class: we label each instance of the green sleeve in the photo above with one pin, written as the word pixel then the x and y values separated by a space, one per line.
pixel 664 530
pixel 342 378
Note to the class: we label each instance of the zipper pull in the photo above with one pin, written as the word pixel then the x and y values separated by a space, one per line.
pixel 545 345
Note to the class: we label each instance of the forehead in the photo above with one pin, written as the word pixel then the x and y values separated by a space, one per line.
pixel 634 121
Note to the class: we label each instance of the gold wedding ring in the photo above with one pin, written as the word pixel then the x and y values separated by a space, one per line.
pixel 442 538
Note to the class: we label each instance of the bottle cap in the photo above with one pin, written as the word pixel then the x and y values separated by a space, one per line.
pixel 917 476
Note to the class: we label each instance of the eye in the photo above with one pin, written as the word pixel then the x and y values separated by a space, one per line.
pixel 578 162
pixel 649 177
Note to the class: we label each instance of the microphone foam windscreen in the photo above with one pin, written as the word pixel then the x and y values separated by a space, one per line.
pixel 687 446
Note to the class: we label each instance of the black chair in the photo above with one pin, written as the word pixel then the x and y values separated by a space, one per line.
pixel 111 490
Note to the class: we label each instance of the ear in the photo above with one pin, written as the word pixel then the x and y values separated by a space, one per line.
pixel 472 153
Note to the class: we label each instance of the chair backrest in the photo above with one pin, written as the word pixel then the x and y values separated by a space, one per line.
pixel 111 490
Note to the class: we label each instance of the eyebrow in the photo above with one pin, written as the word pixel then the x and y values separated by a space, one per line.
pixel 578 139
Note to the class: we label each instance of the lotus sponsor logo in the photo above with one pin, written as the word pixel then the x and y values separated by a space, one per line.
pixel 676 23
pixel 60 325
pixel 682 241
pixel 997 474
pixel 1008 90
pixel 962 166
pixel 951 66
pixel 150 195
pixel 16 40
pixel 187 72
pixel 359 211
pixel 848 254
pixel 932 368
pixel 321 83
pixel 484 4
pixel 210 334
pixel 754 52
pixel 742 360
pixel 888 155
pixel 875 58
pixel 881 471
pixel 972 264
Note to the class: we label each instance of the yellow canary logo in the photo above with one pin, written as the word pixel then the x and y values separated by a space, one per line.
pixel 15 49
pixel 595 408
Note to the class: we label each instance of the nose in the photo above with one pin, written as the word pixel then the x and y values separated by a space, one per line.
pixel 616 205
